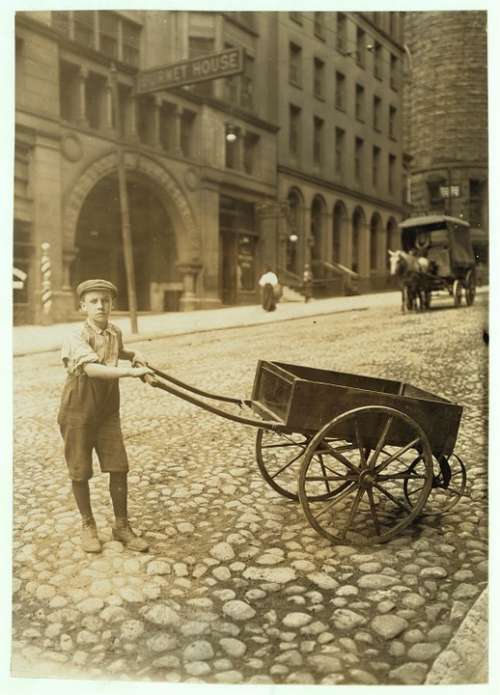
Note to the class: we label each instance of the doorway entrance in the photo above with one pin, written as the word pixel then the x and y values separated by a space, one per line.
pixel 239 250
pixel 100 249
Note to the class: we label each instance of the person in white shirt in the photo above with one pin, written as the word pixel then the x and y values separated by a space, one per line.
pixel 268 282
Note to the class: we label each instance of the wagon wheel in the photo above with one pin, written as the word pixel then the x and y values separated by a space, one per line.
pixel 372 507
pixel 470 287
pixel 458 290
pixel 279 456
pixel 448 484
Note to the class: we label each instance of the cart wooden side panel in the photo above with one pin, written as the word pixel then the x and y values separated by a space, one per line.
pixel 304 405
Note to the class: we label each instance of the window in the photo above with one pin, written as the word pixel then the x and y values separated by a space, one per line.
pixel 246 95
pixel 339 150
pixel 317 140
pixel 108 34
pixel 118 38
pixel 294 134
pixel 360 47
pixel 360 102
pixel 295 64
pixel 319 78
pixel 394 67
pixel 358 158
pixel 187 130
pixel 319 25
pixel 392 173
pixel 341 32
pixel 376 166
pixel 199 46
pixel 95 100
pixel 340 91
pixel 377 60
pixel 131 40
pixel 250 145
pixel 392 122
pixel 232 152
pixel 377 108
pixel 84 27
pixel 69 93
pixel 296 17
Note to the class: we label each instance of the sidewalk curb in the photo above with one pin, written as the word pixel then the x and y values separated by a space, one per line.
pixel 465 659
pixel 157 335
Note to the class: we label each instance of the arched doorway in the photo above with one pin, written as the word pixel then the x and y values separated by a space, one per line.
pixel 375 231
pixel 99 250
pixel 317 212
pixel 358 224
pixel 295 235
pixel 339 232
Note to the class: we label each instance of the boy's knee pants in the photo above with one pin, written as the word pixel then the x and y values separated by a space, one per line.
pixel 81 439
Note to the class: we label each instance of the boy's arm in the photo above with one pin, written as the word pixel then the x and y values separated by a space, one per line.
pixel 132 355
pixel 103 371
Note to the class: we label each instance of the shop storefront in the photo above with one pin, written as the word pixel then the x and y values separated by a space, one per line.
pixel 239 244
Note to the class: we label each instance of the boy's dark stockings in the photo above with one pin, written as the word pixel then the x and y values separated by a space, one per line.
pixel 82 496
pixel 118 492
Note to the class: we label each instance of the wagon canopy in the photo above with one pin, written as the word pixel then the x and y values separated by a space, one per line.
pixel 442 231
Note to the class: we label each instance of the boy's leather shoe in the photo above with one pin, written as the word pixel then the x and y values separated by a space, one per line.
pixel 90 541
pixel 131 540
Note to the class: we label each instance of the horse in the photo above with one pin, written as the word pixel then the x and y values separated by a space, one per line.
pixel 411 271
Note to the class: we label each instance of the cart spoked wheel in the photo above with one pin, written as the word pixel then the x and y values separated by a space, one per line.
pixel 448 484
pixel 458 291
pixel 368 451
pixel 279 457
pixel 470 287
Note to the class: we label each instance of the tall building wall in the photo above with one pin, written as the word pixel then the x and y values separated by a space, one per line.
pixel 445 104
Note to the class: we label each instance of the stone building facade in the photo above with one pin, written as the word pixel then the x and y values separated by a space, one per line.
pixel 207 212
pixel 446 118
pixel 340 145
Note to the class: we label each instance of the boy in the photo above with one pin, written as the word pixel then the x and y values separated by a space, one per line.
pixel 89 415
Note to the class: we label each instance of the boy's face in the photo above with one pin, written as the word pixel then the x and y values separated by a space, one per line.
pixel 97 304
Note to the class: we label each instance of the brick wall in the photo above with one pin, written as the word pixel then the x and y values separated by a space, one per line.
pixel 445 99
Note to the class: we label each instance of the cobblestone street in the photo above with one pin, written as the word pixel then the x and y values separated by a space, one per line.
pixel 237 587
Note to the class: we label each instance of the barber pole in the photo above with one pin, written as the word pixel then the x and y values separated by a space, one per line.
pixel 46 278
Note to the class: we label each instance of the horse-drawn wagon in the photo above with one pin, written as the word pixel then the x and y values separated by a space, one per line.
pixel 436 255
pixel 363 455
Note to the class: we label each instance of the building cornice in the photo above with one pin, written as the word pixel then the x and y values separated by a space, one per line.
pixel 338 188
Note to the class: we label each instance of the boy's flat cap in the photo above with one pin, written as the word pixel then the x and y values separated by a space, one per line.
pixel 94 285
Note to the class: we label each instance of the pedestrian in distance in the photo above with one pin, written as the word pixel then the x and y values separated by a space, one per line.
pixel 89 417
pixel 268 283
pixel 307 281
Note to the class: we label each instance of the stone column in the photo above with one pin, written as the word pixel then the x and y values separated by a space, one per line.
pixel 189 272
pixel 178 131
pixel 131 120
pixel 209 281
pixel 157 102
pixel 108 108
pixel 307 239
pixel 82 112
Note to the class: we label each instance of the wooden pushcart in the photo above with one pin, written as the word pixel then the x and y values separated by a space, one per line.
pixel 363 455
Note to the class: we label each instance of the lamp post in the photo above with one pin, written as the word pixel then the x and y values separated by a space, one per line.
pixel 124 209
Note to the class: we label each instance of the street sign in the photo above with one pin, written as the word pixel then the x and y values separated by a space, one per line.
pixel 208 67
